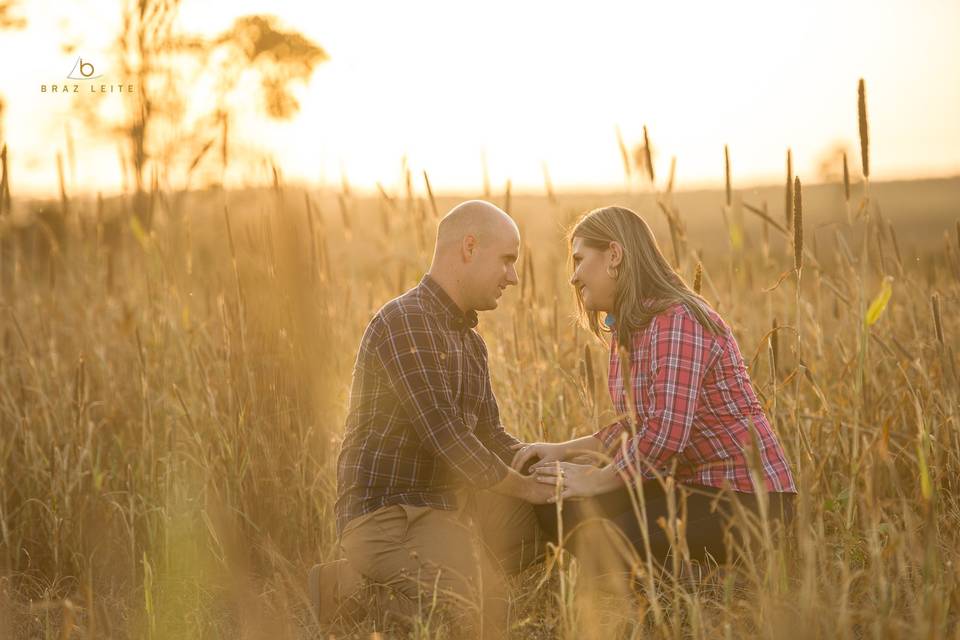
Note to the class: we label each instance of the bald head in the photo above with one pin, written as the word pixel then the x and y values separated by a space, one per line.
pixel 477 247
pixel 476 218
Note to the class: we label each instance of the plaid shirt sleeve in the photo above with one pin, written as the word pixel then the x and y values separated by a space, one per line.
pixel 412 360
pixel 489 429
pixel 679 356
pixel 610 434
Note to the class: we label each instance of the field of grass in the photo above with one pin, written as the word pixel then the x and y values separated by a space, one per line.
pixel 171 403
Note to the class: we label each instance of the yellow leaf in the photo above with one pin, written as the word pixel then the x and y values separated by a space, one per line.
pixel 926 488
pixel 139 233
pixel 736 237
pixel 880 302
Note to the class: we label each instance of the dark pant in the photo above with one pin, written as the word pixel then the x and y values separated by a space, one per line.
pixel 708 515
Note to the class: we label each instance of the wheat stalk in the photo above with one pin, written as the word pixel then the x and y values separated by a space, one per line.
pixel 788 206
pixel 647 155
pixel 548 184
pixel 433 202
pixel 797 226
pixel 864 134
pixel 624 155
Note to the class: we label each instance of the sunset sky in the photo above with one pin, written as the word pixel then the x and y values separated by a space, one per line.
pixel 527 82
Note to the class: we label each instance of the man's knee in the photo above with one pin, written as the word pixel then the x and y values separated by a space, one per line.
pixel 509 530
pixel 416 551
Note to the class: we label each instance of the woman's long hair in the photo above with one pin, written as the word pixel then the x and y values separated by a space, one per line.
pixel 646 283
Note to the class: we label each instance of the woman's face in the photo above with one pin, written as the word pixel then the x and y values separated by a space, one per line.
pixel 593 274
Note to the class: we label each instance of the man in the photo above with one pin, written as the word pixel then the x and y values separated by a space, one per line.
pixel 426 499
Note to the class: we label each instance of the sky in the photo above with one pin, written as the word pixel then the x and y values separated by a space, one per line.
pixel 447 83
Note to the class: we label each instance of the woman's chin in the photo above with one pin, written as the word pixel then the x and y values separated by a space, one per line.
pixel 588 302
pixel 589 305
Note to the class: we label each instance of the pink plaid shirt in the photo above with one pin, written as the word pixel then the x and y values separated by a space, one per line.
pixel 694 407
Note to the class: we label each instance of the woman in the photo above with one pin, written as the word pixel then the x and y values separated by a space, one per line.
pixel 690 411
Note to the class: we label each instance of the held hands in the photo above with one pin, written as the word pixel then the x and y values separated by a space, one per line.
pixel 537 452
pixel 536 492
pixel 571 480
pixel 545 462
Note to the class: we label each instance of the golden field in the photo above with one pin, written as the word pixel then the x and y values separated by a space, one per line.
pixel 171 401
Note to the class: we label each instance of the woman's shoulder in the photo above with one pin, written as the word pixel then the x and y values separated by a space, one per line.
pixel 681 308
pixel 680 317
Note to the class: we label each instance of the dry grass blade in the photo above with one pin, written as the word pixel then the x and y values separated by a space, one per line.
pixel 846 179
pixel 624 155
pixel 766 218
pixel 726 174
pixel 548 184
pixel 937 318
pixel 433 203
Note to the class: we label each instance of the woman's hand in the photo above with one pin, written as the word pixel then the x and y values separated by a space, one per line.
pixel 576 480
pixel 545 451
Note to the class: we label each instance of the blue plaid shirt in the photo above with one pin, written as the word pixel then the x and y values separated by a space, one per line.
pixel 423 420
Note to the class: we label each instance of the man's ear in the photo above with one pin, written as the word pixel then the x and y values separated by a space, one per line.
pixel 616 253
pixel 468 247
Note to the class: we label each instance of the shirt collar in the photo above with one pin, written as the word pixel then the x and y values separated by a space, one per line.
pixel 457 318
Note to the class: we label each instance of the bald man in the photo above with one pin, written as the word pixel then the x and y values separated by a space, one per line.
pixel 426 498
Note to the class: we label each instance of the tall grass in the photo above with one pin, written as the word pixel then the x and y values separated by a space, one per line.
pixel 171 404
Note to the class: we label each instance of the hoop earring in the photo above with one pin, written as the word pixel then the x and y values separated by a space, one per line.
pixel 615 274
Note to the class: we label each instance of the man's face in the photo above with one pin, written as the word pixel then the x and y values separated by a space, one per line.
pixel 493 266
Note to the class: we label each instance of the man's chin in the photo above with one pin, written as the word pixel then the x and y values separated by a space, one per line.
pixel 489 305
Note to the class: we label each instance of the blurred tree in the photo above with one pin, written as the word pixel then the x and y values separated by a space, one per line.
pixel 8 19
pixel 187 89
pixel 829 162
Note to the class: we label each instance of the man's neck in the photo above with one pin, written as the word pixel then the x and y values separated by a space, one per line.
pixel 450 286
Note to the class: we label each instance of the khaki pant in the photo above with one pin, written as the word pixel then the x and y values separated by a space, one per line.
pixel 406 561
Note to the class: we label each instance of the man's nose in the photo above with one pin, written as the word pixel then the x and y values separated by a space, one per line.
pixel 512 277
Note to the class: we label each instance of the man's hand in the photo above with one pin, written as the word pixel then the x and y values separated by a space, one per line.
pixel 524 487
pixel 539 492
pixel 545 451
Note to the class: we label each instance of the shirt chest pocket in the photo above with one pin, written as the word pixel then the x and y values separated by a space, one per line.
pixel 464 375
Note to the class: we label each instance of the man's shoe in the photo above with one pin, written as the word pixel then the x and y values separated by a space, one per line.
pixel 322 589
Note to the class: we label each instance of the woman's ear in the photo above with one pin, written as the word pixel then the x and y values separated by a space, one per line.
pixel 616 253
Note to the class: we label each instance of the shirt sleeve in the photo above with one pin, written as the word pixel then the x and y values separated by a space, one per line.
pixel 490 430
pixel 411 359
pixel 679 356
pixel 610 434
